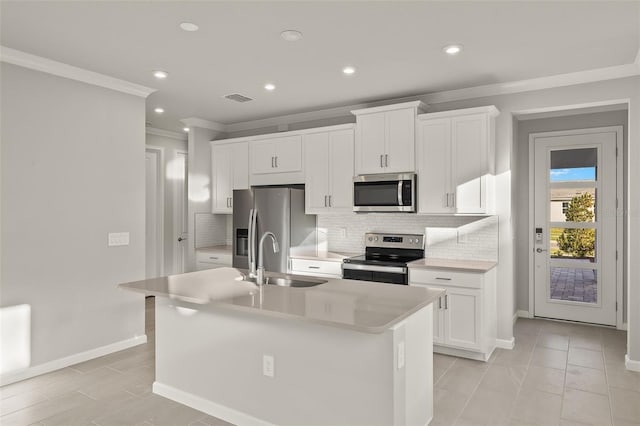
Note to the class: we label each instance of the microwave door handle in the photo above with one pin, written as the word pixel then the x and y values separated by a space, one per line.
pixel 400 193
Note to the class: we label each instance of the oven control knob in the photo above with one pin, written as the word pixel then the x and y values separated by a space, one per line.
pixel 417 241
pixel 370 238
pixel 375 239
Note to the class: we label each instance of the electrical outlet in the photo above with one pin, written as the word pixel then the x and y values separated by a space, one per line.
pixel 268 365
pixel 401 355
pixel 118 239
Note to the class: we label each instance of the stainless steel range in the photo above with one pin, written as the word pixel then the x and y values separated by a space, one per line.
pixel 385 258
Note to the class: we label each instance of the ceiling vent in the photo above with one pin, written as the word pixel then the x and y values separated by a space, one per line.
pixel 238 97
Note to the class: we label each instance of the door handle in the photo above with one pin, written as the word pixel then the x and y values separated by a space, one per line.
pixel 539 250
pixel 180 239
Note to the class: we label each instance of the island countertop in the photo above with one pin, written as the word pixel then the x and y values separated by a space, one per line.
pixel 358 305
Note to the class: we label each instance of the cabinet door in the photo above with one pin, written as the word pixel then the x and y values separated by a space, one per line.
pixel 316 153
pixel 288 154
pixel 469 143
pixel 341 171
pixel 221 159
pixel 400 140
pixel 434 166
pixel 370 143
pixel 462 317
pixel 240 171
pixel 262 157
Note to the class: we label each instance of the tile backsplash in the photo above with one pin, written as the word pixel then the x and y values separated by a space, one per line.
pixel 212 230
pixel 447 237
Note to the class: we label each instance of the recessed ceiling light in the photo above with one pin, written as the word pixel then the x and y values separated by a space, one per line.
pixel 452 49
pixel 186 129
pixel 160 75
pixel 291 35
pixel 159 110
pixel 189 26
pixel 270 86
pixel 348 70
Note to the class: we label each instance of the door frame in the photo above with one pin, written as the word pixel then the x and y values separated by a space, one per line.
pixel 619 212
pixel 177 255
pixel 160 176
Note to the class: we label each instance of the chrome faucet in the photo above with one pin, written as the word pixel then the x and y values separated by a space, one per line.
pixel 276 249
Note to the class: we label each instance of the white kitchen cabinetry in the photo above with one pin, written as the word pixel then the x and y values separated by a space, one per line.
pixel 229 171
pixel 212 259
pixel 276 160
pixel 455 161
pixel 385 138
pixel 329 171
pixel 465 318
pixel 316 268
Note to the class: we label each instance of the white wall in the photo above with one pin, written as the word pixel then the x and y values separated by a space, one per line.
pixel 72 170
pixel 170 147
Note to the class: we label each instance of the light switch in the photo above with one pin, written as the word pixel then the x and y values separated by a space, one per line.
pixel 118 239
pixel 268 365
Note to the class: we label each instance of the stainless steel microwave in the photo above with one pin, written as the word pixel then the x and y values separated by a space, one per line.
pixel 385 193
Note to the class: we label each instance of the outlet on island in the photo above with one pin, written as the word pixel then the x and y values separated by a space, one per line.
pixel 268 366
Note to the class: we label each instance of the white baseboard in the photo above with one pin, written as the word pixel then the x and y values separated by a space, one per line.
pixel 523 314
pixel 631 364
pixel 216 410
pixel 506 343
pixel 57 364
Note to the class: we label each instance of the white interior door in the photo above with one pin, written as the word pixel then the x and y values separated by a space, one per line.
pixel 575 225
pixel 180 216
pixel 153 209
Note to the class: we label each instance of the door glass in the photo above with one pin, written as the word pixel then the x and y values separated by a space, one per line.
pixel 574 284
pixel 576 245
pixel 376 193
pixel 576 204
pixel 574 165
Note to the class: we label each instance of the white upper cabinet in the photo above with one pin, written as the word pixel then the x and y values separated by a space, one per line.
pixel 229 171
pixel 385 138
pixel 454 161
pixel 276 160
pixel 329 171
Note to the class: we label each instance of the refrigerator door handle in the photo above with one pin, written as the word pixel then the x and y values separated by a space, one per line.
pixel 250 253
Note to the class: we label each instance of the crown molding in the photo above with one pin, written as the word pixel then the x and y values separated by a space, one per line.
pixel 559 80
pixel 204 124
pixel 38 63
pixel 166 133
pixel 418 105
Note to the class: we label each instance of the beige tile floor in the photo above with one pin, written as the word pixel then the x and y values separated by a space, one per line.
pixel 558 374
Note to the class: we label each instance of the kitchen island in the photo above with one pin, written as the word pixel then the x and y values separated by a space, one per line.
pixel 339 353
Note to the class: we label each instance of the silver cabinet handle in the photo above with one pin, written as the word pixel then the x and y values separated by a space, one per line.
pixel 213 257
pixel 443 279
pixel 446 301
pixel 453 199
pixel 272 162
pixel 440 302
pixel 386 160
pixel 276 161
pixel 325 201
pixel 381 163
pixel 329 200
pixel 230 201
pixel 314 267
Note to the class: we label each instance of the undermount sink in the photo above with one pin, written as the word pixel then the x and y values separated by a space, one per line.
pixel 286 281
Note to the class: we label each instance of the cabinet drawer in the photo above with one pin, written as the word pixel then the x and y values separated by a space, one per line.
pixel 201 266
pixel 316 267
pixel 444 278
pixel 206 257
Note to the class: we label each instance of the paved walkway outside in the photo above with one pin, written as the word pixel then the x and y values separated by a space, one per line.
pixel 579 285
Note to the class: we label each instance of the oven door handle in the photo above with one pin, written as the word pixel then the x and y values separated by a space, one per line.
pixel 375 268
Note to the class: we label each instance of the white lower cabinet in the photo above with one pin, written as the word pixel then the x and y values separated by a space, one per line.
pixel 211 259
pixel 316 268
pixel 464 318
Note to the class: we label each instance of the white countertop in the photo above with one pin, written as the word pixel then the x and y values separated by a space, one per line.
pixel 326 256
pixel 457 264
pixel 359 305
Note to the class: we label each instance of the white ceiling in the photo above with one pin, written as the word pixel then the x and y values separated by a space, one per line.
pixel 396 47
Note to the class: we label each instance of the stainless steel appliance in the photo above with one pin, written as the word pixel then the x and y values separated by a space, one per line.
pixel 385 193
pixel 385 258
pixel 277 209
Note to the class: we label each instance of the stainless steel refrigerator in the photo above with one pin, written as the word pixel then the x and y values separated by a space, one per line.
pixel 279 209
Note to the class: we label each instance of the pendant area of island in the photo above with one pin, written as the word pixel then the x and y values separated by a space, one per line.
pixel 341 352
